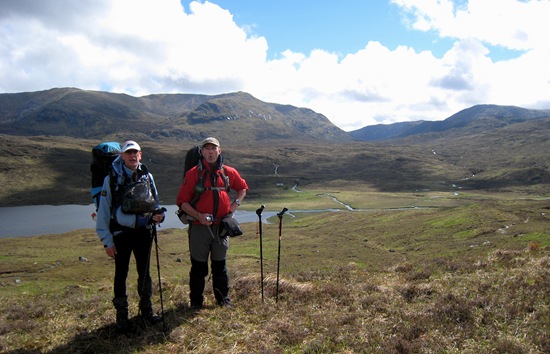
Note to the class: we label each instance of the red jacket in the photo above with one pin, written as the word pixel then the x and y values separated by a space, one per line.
pixel 205 203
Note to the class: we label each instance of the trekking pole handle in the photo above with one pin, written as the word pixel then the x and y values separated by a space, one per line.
pixel 157 212
pixel 280 214
pixel 259 210
pixel 160 211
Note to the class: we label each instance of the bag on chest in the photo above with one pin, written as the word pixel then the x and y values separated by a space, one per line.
pixel 138 198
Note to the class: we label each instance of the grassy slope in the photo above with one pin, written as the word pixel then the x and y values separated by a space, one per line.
pixel 469 274
pixel 56 170
pixel 429 264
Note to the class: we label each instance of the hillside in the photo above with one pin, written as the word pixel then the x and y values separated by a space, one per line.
pixel 101 115
pixel 46 139
pixel 383 131
pixel 443 220
pixel 55 170
pixel 473 278
pixel 470 121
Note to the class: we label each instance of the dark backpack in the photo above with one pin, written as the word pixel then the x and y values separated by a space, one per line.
pixel 103 156
pixel 192 158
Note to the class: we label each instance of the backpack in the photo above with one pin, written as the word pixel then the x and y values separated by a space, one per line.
pixel 192 158
pixel 103 156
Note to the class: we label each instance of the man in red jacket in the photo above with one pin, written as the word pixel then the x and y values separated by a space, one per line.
pixel 204 196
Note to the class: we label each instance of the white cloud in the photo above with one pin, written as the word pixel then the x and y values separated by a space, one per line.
pixel 159 46
pixel 513 24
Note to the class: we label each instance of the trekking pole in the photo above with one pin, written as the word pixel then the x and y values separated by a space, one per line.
pixel 160 282
pixel 280 215
pixel 259 213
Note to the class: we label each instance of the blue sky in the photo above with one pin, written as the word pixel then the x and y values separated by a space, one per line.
pixel 340 27
pixel 358 62
pixel 346 27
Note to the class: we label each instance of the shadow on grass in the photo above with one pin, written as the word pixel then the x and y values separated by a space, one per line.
pixel 106 339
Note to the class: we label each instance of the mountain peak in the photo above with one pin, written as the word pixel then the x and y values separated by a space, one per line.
pixel 96 114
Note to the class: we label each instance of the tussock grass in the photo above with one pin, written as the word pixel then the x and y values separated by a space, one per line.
pixel 377 281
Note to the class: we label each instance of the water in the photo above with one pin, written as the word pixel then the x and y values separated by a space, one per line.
pixel 48 219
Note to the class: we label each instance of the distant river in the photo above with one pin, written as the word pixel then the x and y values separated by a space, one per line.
pixel 48 219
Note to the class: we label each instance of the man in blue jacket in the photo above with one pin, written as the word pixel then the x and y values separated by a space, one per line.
pixel 124 225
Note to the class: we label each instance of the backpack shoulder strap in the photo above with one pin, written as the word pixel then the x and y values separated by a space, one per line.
pixel 203 174
pixel 117 189
pixel 225 178
pixel 199 187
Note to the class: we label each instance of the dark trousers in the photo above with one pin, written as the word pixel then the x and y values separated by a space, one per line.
pixel 138 242
pixel 204 243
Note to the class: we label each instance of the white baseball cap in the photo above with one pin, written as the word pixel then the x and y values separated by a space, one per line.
pixel 130 145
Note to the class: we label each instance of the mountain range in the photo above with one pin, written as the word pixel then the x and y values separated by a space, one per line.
pixel 97 115
pixel 471 120
pixel 92 114
pixel 46 139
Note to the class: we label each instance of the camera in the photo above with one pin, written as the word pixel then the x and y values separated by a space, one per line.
pixel 209 218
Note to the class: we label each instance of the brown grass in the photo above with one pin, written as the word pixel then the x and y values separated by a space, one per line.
pixel 406 281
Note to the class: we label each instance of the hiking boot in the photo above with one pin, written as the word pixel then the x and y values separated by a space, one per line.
pixel 197 302
pixel 121 305
pixel 148 316
pixel 226 302
pixel 152 319
pixel 122 326
pixel 196 307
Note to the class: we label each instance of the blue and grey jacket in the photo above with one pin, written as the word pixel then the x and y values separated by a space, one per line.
pixel 106 214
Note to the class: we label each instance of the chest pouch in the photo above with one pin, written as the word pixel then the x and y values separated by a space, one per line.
pixel 138 198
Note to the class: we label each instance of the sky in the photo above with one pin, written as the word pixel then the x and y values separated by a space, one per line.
pixel 358 62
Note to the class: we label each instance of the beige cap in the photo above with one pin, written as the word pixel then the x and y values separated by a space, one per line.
pixel 130 145
pixel 210 140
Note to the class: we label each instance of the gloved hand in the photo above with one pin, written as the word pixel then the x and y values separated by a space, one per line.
pixel 141 221
pixel 158 216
